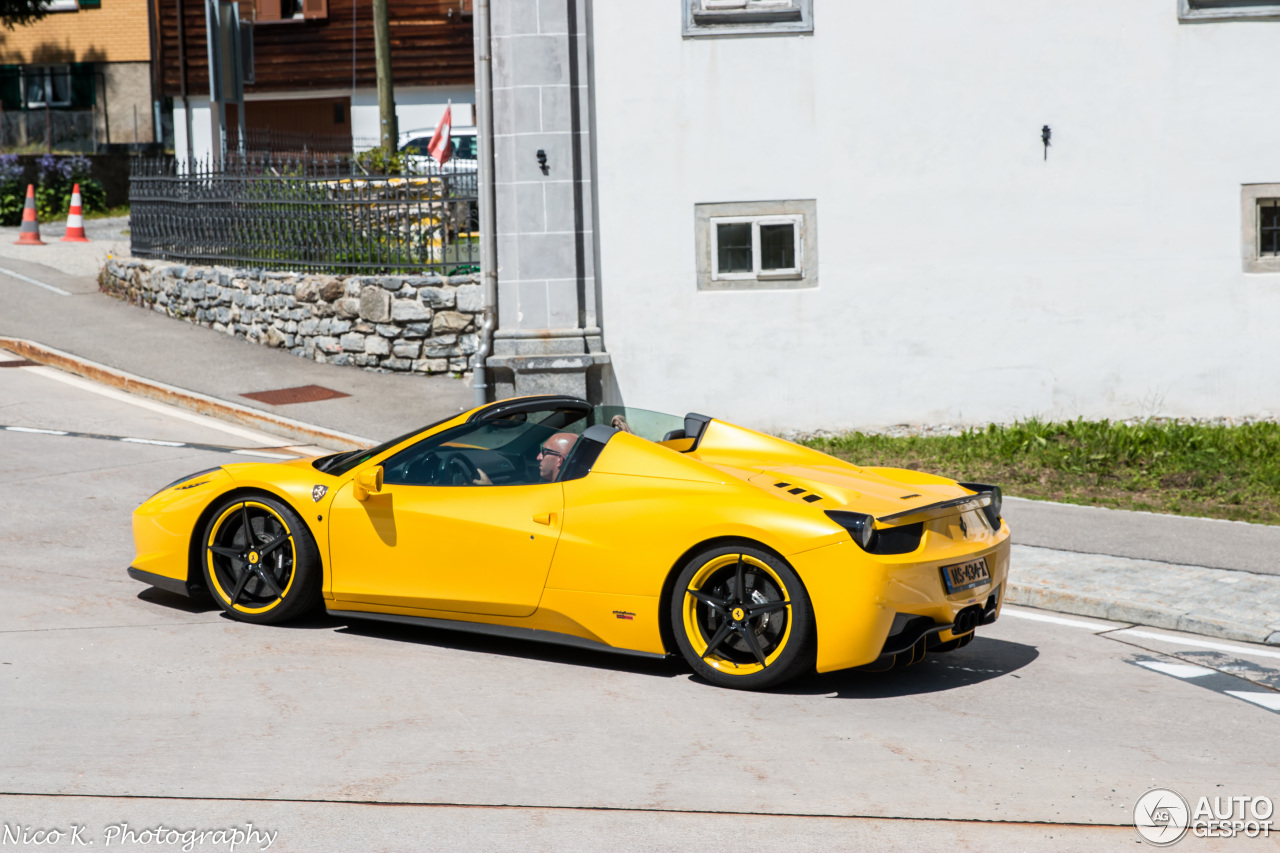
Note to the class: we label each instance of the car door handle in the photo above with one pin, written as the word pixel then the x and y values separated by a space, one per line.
pixel 545 518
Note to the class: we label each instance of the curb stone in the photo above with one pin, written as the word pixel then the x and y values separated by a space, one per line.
pixel 303 433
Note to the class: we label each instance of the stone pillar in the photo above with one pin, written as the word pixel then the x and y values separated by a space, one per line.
pixel 548 338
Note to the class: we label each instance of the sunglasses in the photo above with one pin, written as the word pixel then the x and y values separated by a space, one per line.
pixel 548 451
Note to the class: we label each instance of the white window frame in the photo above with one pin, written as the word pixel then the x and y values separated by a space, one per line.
pixel 45 72
pixel 1189 10
pixel 704 18
pixel 1252 198
pixel 758 273
pixel 710 5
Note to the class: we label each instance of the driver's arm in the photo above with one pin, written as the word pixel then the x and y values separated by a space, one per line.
pixel 482 480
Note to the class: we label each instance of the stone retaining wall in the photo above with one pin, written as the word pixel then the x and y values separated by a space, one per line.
pixel 422 323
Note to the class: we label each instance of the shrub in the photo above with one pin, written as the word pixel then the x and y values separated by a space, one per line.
pixel 12 192
pixel 57 178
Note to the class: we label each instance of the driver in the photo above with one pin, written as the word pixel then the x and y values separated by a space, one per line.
pixel 553 453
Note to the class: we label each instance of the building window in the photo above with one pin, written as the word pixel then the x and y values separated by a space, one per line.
pixel 1269 228
pixel 47 86
pixel 1260 214
pixel 761 247
pixel 756 245
pixel 746 17
pixel 1227 10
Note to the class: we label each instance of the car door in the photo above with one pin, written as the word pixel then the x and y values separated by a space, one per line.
pixel 436 537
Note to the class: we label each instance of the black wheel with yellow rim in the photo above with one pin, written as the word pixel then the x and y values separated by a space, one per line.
pixel 260 561
pixel 742 618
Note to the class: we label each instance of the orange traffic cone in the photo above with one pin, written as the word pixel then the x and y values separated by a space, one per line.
pixel 30 233
pixel 75 221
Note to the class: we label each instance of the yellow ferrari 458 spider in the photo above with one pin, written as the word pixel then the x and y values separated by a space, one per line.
pixel 544 518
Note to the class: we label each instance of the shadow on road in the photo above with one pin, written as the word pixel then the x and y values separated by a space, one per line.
pixel 528 650
pixel 173 601
pixel 982 660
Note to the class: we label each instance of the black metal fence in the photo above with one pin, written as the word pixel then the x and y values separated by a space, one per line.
pixel 314 213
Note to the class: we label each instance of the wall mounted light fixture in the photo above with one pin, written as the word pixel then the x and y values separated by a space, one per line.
pixel 542 162
pixel 1045 135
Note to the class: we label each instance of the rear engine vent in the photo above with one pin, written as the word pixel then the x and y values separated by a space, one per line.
pixel 781 485
pixel 898 540
pixel 811 498
pixel 795 491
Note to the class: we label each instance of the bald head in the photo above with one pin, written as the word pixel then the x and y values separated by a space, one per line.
pixel 554 451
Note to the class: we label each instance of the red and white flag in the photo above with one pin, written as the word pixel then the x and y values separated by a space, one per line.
pixel 441 147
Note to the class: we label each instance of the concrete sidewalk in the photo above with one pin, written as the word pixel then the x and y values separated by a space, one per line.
pixel 1203 575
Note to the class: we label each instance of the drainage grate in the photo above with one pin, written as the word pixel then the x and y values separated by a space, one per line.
pixel 19 362
pixel 301 394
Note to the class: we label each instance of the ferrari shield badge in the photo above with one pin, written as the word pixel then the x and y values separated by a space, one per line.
pixel 317 492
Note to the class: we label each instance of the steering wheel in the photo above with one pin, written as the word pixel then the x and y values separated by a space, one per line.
pixel 461 471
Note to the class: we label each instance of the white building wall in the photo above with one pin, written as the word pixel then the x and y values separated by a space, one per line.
pixel 963 277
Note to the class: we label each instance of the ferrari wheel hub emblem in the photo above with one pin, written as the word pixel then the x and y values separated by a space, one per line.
pixel 253 558
pixel 317 492
pixel 739 614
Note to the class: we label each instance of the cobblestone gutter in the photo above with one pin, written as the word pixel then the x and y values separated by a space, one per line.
pixel 423 324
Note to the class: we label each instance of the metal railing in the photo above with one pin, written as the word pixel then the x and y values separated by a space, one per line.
pixel 309 214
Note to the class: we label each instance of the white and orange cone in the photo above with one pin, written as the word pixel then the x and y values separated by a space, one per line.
pixel 30 233
pixel 75 219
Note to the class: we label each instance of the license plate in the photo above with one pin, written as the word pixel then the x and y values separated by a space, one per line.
pixel 963 576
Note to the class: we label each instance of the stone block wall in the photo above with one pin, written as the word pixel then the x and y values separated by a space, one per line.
pixel 402 323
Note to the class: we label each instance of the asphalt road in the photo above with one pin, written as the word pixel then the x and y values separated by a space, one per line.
pixel 122 704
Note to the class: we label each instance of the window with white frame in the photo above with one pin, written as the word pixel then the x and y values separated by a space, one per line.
pixel 747 17
pixel 1227 10
pixel 759 247
pixel 47 86
pixel 1260 215
pixel 756 245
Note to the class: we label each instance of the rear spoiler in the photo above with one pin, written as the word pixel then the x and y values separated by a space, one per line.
pixel 938 510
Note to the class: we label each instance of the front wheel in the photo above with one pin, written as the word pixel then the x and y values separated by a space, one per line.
pixel 260 561
pixel 742 619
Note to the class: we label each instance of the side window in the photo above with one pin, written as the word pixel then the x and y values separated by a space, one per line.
pixel 505 452
pixel 756 245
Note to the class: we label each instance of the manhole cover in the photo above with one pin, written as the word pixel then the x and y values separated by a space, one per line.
pixel 19 362
pixel 301 394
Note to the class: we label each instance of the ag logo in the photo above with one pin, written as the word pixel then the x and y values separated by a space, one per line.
pixel 317 492
pixel 1161 817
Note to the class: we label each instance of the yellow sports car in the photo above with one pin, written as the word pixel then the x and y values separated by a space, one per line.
pixel 544 518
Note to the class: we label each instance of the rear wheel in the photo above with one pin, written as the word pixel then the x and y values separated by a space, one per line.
pixel 742 619
pixel 260 561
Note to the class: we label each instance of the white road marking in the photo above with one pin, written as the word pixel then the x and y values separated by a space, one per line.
pixel 1199 644
pixel 1056 620
pixel 1177 670
pixel 32 429
pixel 143 403
pixel 155 441
pixel 1270 701
pixel 260 453
pixel 29 280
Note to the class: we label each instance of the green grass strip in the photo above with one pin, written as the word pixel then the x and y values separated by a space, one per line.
pixel 1230 472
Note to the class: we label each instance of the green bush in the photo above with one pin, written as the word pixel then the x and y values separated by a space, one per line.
pixel 56 181
pixel 12 192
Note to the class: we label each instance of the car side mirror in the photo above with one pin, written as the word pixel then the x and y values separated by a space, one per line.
pixel 368 482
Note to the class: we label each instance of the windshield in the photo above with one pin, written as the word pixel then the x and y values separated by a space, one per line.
pixel 340 463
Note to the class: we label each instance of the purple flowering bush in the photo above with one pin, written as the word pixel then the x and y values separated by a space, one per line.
pixel 57 177
pixel 12 191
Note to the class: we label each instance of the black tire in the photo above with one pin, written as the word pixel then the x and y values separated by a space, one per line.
pixel 272 578
pixel 742 618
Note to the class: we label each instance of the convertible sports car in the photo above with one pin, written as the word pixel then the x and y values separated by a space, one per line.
pixel 544 518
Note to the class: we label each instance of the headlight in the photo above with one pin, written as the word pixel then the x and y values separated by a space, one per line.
pixel 181 480
pixel 861 527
